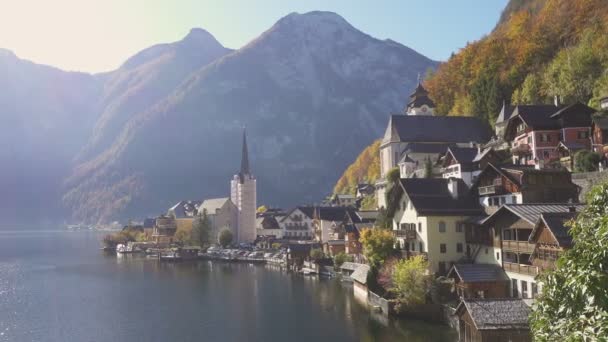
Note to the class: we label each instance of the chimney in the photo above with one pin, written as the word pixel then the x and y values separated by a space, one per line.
pixel 453 187
pixel 556 100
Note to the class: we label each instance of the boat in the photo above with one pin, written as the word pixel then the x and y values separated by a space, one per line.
pixel 170 256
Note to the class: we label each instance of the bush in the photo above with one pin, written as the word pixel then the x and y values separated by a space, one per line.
pixel 225 237
pixel 410 282
pixel 586 161
pixel 378 245
pixel 341 258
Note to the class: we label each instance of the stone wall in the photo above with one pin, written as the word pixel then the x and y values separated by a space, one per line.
pixel 586 180
pixel 375 300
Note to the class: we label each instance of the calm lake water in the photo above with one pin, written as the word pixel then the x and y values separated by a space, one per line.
pixel 57 286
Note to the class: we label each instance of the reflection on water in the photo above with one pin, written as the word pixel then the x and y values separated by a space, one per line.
pixel 60 287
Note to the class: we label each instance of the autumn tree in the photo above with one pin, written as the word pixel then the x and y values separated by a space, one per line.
pixel 410 281
pixel 573 305
pixel 378 244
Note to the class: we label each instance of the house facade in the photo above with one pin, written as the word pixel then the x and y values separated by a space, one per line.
pixel 535 131
pixel 298 224
pixel 429 219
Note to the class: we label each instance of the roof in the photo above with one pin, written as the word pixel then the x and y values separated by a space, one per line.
pixel 360 274
pixel 309 211
pixel 351 266
pixel 345 196
pixel 335 242
pixel 367 215
pixel 211 205
pixel 419 101
pixel 185 208
pixel 537 116
pixel 505 113
pixel 333 213
pixel 463 154
pixel 302 247
pixel 531 211
pixel 470 273
pixel 576 107
pixel 431 197
pixel 352 228
pixel 267 222
pixel 497 314
pixel 438 129
pixel 425 148
pixel 555 222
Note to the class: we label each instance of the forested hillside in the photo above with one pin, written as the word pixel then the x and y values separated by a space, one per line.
pixel 540 49
pixel 366 169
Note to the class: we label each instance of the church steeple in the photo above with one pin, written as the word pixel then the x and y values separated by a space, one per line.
pixel 419 103
pixel 245 156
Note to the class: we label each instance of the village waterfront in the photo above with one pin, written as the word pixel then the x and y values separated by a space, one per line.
pixel 56 285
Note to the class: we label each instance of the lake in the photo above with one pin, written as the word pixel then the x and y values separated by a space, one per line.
pixel 58 286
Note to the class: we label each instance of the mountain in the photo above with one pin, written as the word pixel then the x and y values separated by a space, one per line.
pixel 365 169
pixel 540 49
pixel 46 116
pixel 312 91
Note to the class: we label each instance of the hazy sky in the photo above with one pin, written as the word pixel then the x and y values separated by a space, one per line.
pixel 99 35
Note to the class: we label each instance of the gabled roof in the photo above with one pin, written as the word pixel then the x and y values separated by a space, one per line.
pixel 367 215
pixel 308 211
pixel 351 266
pixel 333 213
pixel 267 222
pixel 213 204
pixel 360 274
pixel 497 314
pixel 555 222
pixel 431 197
pixel 505 113
pixel 438 129
pixel 463 154
pixel 576 107
pixel 184 209
pixel 470 273
pixel 531 212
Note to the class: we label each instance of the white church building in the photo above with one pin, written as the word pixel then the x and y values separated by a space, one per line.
pixel 243 195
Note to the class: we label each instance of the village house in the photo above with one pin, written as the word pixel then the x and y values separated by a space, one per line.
pixel 418 136
pixel 550 238
pixel 364 190
pixel 184 213
pixel 428 219
pixel 298 223
pixel 164 229
pixel 466 163
pixel 513 184
pixel 480 280
pixel 509 242
pixel 343 200
pixel 535 131
pixel 493 320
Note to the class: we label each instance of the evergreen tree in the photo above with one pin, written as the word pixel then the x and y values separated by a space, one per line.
pixel 201 229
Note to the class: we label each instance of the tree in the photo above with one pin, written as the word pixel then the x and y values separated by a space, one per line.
pixel 574 302
pixel 393 191
pixel 428 168
pixel 586 161
pixel 378 244
pixel 341 258
pixel 182 236
pixel 201 229
pixel 382 220
pixel 261 209
pixel 225 237
pixel 316 254
pixel 410 281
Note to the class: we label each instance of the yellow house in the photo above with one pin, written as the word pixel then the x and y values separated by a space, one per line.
pixel 428 217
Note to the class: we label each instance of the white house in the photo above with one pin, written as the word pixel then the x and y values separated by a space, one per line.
pixel 298 224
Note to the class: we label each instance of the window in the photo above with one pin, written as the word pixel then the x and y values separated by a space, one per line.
pixel 524 289
pixel 421 245
pixel 534 290
pixel 503 200
pixel 529 140
pixel 514 199
pixel 546 155
pixel 497 255
pixel 486 251
pixel 442 248
pixel 459 226
pixel 403 226
pixel 514 292
pixel 459 248
pixel 413 247
pixel 420 227
pixel 583 134
pixel 441 227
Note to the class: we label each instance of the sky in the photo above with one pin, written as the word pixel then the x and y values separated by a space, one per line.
pixel 97 36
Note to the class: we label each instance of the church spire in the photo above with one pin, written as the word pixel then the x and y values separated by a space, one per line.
pixel 245 156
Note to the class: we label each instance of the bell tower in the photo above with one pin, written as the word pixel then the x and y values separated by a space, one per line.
pixel 243 195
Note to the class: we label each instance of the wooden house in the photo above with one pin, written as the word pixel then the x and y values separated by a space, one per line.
pixel 480 280
pixel 551 238
pixel 493 320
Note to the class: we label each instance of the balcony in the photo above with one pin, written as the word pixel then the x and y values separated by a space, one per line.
pixel 518 246
pixel 495 188
pixel 406 234
pixel 521 268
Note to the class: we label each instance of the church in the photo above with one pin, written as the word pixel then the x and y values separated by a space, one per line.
pixel 243 195
pixel 417 136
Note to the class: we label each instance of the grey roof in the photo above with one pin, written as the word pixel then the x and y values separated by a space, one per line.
pixel 483 153
pixel 211 205
pixel 497 314
pixel 422 147
pixel 470 273
pixel 184 209
pixel 431 197
pixel 505 113
pixel 531 211
pixel 351 266
pixel 463 154
pixel 360 274
pixel 367 215
pixel 555 222
pixel 267 222
pixel 439 129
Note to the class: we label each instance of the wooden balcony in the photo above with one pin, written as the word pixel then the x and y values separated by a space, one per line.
pixel 518 246
pixel 495 188
pixel 407 234
pixel 521 268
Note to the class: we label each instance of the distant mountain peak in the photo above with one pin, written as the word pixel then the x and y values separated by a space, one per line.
pixel 200 36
